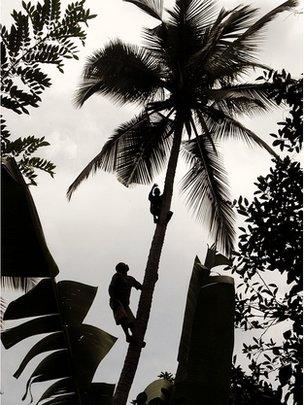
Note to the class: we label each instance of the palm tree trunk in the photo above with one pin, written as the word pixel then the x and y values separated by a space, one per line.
pixel 151 274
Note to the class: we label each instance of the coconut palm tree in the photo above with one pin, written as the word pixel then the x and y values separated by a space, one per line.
pixel 190 78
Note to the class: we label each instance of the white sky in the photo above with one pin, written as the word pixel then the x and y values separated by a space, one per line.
pixel 106 223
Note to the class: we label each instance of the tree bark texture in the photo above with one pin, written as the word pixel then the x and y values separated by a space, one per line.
pixel 151 274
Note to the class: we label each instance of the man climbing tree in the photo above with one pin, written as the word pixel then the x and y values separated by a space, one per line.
pixel 120 291
pixel 156 198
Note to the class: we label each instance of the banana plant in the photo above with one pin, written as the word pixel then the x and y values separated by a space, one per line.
pixel 206 346
pixel 73 349
pixel 76 348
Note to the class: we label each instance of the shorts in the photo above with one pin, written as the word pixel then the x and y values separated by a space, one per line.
pixel 122 314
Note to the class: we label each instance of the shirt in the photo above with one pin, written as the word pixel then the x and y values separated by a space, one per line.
pixel 120 287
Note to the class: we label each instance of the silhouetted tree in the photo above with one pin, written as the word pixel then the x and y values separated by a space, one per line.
pixel 186 76
pixel 270 249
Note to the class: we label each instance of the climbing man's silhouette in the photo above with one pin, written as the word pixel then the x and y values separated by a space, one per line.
pixel 120 291
pixel 156 199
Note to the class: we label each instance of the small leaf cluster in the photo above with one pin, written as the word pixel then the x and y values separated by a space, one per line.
pixel 25 148
pixel 289 91
pixel 166 376
pixel 250 389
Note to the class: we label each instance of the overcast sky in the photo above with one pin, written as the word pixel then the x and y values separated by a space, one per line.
pixel 106 223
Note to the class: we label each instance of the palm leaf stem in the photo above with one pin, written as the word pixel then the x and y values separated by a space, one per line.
pixel 197 138
pixel 205 127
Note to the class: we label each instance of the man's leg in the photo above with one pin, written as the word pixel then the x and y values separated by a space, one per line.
pixel 127 333
pixel 132 338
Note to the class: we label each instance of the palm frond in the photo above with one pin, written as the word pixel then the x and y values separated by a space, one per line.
pixel 236 106
pixel 170 45
pixel 161 43
pixel 233 54
pixel 225 28
pixel 107 158
pixel 223 126
pixel 247 43
pixel 234 23
pixel 152 7
pixel 249 40
pixel 215 39
pixel 124 72
pixel 260 92
pixel 144 150
pixel 207 190
pixel 199 14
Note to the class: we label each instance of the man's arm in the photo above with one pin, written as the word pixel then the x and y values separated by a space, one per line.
pixel 136 284
pixel 151 192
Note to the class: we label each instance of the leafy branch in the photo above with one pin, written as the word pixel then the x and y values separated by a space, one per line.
pixel 41 34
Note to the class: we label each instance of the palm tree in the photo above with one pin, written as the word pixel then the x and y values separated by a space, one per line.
pixel 187 76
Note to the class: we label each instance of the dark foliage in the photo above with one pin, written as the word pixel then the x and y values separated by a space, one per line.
pixel 166 376
pixel 269 249
pixel 250 390
pixel 41 34
pixel 288 91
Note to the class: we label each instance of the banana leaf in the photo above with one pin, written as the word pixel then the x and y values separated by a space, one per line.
pixel 45 324
pixel 26 305
pixel 89 346
pixel 55 341
pixel 76 348
pixel 205 352
pixel 60 387
pixel 24 251
pixel 97 394
pixel 76 300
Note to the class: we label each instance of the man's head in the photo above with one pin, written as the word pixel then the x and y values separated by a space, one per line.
pixel 156 191
pixel 122 268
